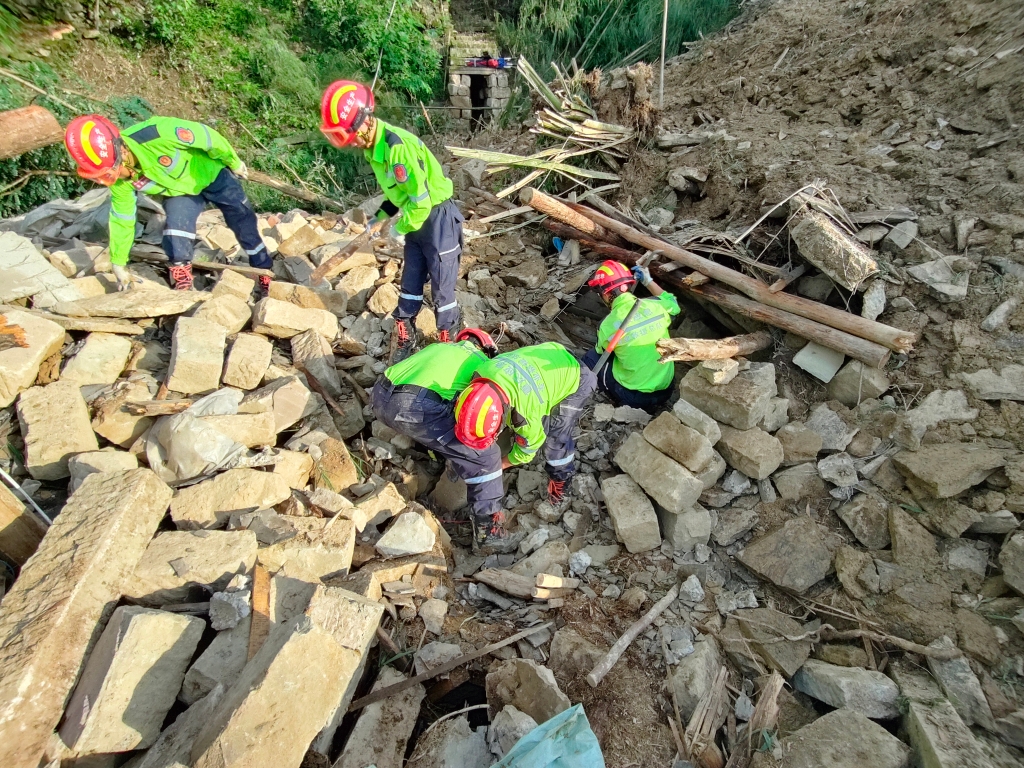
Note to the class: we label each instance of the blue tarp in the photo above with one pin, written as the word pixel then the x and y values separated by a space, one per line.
pixel 564 741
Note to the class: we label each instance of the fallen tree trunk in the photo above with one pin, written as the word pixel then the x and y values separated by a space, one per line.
pixel 689 350
pixel 28 128
pixel 599 226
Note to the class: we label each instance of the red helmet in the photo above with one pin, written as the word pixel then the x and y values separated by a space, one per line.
pixel 95 145
pixel 481 338
pixel 611 275
pixel 343 109
pixel 480 413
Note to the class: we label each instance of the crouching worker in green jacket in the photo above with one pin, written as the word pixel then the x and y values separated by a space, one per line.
pixel 635 374
pixel 189 163
pixel 538 392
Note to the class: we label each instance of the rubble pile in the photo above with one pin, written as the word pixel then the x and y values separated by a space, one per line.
pixel 216 554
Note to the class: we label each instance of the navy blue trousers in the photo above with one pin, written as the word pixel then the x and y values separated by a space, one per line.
pixel 432 252
pixel 227 194
pixel 428 419
pixel 560 428
pixel 608 384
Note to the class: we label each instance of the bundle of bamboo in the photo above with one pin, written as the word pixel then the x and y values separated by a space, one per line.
pixel 567 117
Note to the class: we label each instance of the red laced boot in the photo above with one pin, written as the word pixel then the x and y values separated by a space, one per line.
pixel 181 276
pixel 444 336
pixel 402 341
pixel 556 491
pixel 264 286
pixel 490 534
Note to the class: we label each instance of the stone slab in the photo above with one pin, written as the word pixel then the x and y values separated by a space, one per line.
pixel 947 469
pixel 197 356
pixel 844 739
pixel 130 680
pixel 384 727
pixel 678 441
pixel 247 361
pixel 793 557
pixel 283 320
pixel 230 312
pixel 312 353
pixel 323 548
pixel 632 514
pixel 27 273
pixel 100 361
pixel 871 693
pixel 81 465
pixel 742 403
pixel 70 585
pixel 172 748
pixel 19 366
pixel 219 665
pixel 176 562
pixel 55 425
pixel 21 530
pixel 753 452
pixel 210 503
pixel 281 701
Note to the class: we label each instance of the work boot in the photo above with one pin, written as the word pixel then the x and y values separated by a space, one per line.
pixel 556 492
pixel 263 286
pixel 444 336
pixel 403 341
pixel 491 537
pixel 181 276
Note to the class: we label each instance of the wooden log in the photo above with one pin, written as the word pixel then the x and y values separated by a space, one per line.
pixel 548 581
pixel 331 267
pixel 158 407
pixel 688 350
pixel 507 582
pixel 28 128
pixel 20 530
pixel 266 180
pixel 391 690
pixel 603 667
pixel 856 347
pixel 559 210
pixel 566 232
pixel 259 627
pixel 544 593
pixel 601 225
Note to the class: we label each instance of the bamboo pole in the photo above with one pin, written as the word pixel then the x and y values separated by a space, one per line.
pixel 601 225
pixel 690 350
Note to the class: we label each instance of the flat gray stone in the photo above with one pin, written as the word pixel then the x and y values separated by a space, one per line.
pixel 871 693
pixel 742 403
pixel 844 739
pixel 408 535
pixel 793 557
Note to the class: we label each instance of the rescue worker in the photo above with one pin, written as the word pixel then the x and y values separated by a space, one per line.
pixel 189 163
pixel 416 398
pixel 539 392
pixel 414 185
pixel 635 374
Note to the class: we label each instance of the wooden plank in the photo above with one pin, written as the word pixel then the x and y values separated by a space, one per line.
pixel 260 626
pixel 20 530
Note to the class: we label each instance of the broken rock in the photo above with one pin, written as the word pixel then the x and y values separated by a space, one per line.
pixel 986 384
pixel 946 469
pixel 228 311
pixel 526 685
pixel 384 727
pixel 220 664
pixel 632 514
pixel 799 482
pixel 177 562
pixel 753 452
pixel 799 444
pixel 283 320
pixel 856 383
pixel 742 403
pixel 794 556
pixel 868 519
pixel 509 726
pixel 408 535
pixel 835 434
pixel 694 676
pixel 669 483
pixel 81 465
pixel 871 693
pixel 678 441
pixel 686 529
pixel 961 686
pixel 210 503
pixel 99 361
pixel 844 738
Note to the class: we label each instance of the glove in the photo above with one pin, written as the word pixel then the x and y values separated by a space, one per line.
pixel 124 277
pixel 642 275
pixel 394 235
pixel 242 171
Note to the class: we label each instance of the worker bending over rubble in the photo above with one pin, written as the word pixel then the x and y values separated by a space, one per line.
pixel 532 390
pixel 416 398
pixel 190 164
pixel 636 376
pixel 414 186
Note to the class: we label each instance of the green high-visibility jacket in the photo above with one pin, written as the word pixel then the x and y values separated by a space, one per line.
pixel 445 369
pixel 410 176
pixel 173 157
pixel 636 363
pixel 536 379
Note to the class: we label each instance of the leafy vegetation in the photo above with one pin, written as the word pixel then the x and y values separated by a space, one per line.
pixel 261 65
pixel 607 33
